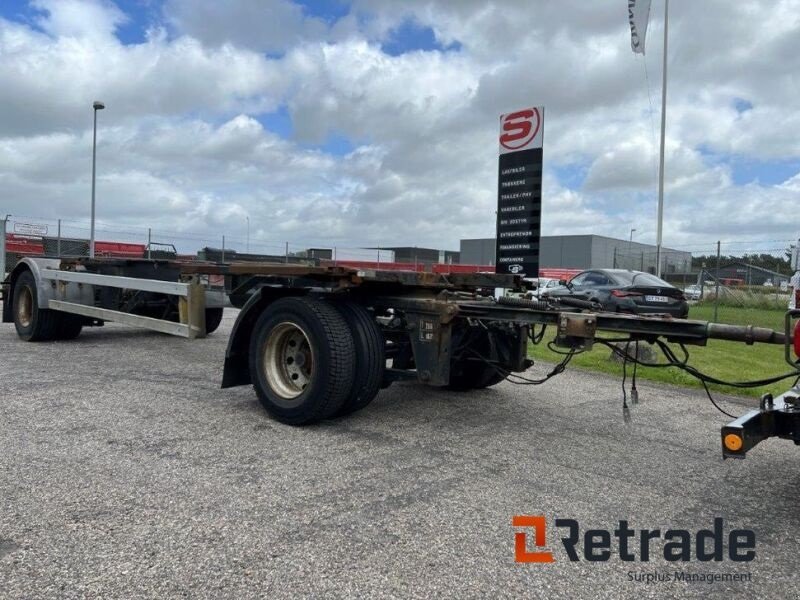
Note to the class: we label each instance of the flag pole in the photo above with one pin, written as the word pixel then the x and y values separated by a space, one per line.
pixel 661 157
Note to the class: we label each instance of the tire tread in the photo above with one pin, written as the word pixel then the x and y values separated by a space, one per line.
pixel 370 356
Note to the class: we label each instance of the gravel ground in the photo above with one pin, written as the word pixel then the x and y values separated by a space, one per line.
pixel 126 472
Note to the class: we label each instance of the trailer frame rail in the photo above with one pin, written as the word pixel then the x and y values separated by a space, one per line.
pixel 191 304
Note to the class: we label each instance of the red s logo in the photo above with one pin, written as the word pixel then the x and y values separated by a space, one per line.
pixel 520 128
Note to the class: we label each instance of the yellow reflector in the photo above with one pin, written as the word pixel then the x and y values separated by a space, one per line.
pixel 733 442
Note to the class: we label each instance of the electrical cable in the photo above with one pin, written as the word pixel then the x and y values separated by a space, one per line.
pixel 537 339
pixel 511 377
pixel 667 351
pixel 717 406
pixel 674 361
pixel 626 412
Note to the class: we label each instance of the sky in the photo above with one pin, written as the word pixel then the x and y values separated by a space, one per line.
pixel 366 123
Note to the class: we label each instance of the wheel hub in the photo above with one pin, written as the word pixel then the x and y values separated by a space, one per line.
pixel 288 361
pixel 25 307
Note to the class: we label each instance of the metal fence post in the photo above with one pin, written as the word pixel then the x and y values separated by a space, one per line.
pixel 58 240
pixel 716 281
pixel 223 249
pixel 701 281
pixel 3 249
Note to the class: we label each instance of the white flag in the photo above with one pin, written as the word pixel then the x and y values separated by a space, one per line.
pixel 638 15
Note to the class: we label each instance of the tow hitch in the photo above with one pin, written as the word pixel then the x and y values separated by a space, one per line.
pixel 776 417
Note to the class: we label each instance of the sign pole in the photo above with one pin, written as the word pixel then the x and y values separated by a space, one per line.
pixel 519 192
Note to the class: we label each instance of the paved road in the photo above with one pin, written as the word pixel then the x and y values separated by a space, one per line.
pixel 126 472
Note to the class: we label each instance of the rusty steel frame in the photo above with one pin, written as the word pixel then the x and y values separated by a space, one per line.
pixel 434 308
pixel 450 296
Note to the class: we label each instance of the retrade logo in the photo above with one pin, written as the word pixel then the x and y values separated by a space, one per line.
pixel 520 128
pixel 521 552
pixel 631 545
pixel 515 269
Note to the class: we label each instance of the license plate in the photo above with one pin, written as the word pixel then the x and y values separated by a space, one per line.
pixel 656 298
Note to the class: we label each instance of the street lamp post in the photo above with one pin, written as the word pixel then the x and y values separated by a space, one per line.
pixel 630 244
pixel 96 106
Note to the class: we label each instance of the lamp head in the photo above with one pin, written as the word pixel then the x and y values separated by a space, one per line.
pixel 97 105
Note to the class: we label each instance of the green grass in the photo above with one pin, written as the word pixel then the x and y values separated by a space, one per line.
pixel 729 361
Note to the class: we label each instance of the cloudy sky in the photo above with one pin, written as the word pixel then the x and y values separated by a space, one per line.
pixel 371 122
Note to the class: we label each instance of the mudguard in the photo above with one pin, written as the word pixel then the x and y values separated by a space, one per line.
pixel 44 288
pixel 237 367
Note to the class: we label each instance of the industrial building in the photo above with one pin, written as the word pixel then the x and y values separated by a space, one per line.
pixel 587 252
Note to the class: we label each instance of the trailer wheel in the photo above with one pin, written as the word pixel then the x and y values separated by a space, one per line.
pixel 213 319
pixel 469 372
pixel 302 360
pixel 69 327
pixel 473 376
pixel 370 355
pixel 33 323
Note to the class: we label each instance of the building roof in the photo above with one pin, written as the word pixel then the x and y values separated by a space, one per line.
pixel 636 243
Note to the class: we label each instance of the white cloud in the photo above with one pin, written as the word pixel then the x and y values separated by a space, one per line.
pixel 48 83
pixel 182 145
pixel 265 25
pixel 80 19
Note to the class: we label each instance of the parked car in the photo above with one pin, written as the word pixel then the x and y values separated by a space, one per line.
pixel 692 292
pixel 534 286
pixel 537 286
pixel 617 290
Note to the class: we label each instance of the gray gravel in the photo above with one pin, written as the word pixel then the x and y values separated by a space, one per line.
pixel 126 472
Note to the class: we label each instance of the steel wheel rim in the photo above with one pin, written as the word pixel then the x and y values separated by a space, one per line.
pixel 25 307
pixel 288 360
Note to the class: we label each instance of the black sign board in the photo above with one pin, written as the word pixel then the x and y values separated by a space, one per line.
pixel 519 193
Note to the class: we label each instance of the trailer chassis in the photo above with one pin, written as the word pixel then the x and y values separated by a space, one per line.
pixel 339 334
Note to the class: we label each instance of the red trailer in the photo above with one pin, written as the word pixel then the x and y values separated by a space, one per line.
pixel 119 249
pixel 24 245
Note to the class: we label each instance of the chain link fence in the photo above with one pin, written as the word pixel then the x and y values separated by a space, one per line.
pixel 727 273
pixel 747 274
pixel 70 238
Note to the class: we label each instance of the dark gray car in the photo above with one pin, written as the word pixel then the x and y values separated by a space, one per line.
pixel 618 290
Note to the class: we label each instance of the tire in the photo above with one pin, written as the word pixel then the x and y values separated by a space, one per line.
pixel 370 356
pixel 466 375
pixel 213 319
pixel 302 360
pixel 69 327
pixel 473 376
pixel 33 324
